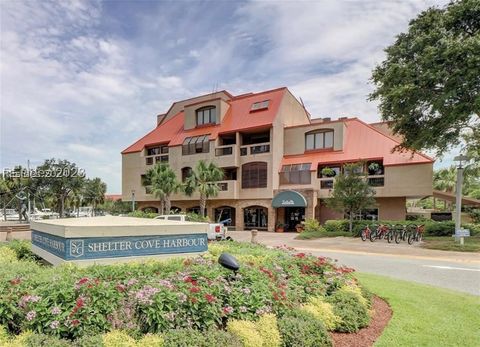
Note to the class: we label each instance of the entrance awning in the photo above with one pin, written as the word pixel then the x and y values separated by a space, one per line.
pixel 289 198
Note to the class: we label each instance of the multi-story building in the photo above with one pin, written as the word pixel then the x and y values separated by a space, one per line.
pixel 274 158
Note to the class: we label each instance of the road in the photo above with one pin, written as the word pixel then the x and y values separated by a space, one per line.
pixel 452 270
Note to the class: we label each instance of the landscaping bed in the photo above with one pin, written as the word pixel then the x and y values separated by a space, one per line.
pixel 278 298
pixel 446 243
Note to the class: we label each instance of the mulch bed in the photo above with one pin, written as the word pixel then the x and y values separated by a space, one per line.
pixel 366 337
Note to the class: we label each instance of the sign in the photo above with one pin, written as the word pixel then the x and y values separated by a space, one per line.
pixel 462 233
pixel 114 247
pixel 289 198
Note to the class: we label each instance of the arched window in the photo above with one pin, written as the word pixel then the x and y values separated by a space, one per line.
pixel 206 115
pixel 186 171
pixel 254 175
pixel 255 217
pixel 150 209
pixel 319 139
pixel 225 214
pixel 194 209
pixel 175 210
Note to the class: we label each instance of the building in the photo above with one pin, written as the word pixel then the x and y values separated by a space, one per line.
pixel 273 155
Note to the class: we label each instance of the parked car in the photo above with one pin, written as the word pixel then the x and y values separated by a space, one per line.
pixel 216 231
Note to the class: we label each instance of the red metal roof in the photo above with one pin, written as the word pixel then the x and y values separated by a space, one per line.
pixel 361 142
pixel 237 118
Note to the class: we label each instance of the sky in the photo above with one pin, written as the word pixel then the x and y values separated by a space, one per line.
pixel 82 80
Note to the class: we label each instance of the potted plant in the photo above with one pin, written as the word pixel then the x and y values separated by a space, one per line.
pixel 299 228
pixel 280 228
pixel 374 168
pixel 328 172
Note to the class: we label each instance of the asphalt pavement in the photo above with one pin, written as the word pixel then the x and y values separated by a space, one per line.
pixel 458 271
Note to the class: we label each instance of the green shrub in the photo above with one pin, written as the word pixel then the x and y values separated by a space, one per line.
pixel 474 228
pixel 195 217
pixel 141 214
pixel 89 341
pixel 220 338
pixel 194 338
pixel 3 335
pixel 446 228
pixel 312 225
pixel 42 340
pixel 23 249
pixel 117 338
pixel 150 340
pixel 7 255
pixel 350 308
pixel 336 225
pixel 300 329
pixel 268 330
pixel 322 311
pixel 246 331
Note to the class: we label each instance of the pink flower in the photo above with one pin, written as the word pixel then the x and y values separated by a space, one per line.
pixel 56 310
pixel 182 297
pixel 144 295
pixel 26 299
pixel 170 316
pixel 194 290
pixel 55 324
pixel 227 309
pixel 210 297
pixel 242 309
pixel 132 281
pixel 31 315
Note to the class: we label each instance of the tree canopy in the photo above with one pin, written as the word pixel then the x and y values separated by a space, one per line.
pixel 428 86
pixel 351 192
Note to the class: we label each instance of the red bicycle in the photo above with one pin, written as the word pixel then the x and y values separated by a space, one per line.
pixel 417 235
pixel 365 234
pixel 381 232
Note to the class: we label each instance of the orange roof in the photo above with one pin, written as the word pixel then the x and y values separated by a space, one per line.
pixel 362 142
pixel 238 118
pixel 113 197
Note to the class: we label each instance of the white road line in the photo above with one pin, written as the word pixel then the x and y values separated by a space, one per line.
pixel 451 268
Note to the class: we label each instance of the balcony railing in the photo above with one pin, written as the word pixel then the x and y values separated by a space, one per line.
pixel 257 148
pixel 223 186
pixel 295 177
pixel 150 160
pixel 223 150
pixel 373 181
pixel 376 181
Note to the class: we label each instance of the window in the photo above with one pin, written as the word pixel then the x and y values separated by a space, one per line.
pixel 196 144
pixel 254 175
pixel 328 171
pixel 149 161
pixel 186 171
pixel 206 115
pixel 225 214
pixel 255 217
pixel 157 150
pixel 262 105
pixel 296 174
pixel 319 140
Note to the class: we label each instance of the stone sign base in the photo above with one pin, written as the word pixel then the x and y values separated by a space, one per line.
pixel 106 240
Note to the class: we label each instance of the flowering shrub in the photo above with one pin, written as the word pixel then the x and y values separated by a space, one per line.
pixel 351 310
pixel 172 296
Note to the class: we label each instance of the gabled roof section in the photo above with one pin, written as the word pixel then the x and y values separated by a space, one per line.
pixel 237 118
pixel 361 142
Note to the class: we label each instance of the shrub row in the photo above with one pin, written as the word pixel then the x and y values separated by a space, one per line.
pixel 432 228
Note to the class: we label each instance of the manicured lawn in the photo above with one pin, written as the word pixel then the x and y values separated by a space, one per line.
pixel 321 233
pixel 425 315
pixel 448 243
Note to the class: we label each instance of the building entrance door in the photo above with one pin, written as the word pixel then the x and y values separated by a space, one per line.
pixel 294 216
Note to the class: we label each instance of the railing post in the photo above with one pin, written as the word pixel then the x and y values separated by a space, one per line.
pixel 254 233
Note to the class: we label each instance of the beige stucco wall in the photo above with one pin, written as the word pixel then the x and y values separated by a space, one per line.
pixel 295 136
pixel 413 180
pixel 190 111
pixel 391 208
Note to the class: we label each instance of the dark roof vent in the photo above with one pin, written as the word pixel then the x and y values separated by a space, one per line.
pixel 343 118
pixel 327 119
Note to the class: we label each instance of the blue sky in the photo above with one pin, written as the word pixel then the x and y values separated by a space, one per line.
pixel 82 80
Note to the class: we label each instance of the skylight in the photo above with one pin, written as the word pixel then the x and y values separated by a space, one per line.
pixel 261 105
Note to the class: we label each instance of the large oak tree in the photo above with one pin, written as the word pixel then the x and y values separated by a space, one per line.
pixel 429 84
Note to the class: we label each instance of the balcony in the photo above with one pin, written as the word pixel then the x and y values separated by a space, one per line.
pixel 228 190
pixel 258 148
pixel 153 159
pixel 295 177
pixel 226 155
pixel 376 181
pixel 224 150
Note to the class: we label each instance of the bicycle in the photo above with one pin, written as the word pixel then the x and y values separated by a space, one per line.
pixel 381 232
pixel 365 234
pixel 417 235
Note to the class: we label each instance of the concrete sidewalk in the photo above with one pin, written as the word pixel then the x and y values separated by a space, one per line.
pixel 357 246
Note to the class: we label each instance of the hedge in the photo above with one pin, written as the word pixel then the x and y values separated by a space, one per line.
pixel 432 228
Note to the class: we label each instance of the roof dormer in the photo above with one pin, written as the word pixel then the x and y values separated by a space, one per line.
pixel 205 113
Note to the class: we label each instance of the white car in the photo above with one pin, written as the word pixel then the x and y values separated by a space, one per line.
pixel 216 231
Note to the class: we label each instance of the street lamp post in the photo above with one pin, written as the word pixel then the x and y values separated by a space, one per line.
pixel 458 194
pixel 133 200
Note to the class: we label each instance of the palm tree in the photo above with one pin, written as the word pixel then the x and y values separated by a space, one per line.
pixel 95 191
pixel 163 182
pixel 445 180
pixel 204 179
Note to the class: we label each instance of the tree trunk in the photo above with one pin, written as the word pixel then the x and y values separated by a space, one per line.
pixel 350 222
pixel 168 205
pixel 203 204
pixel 162 206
